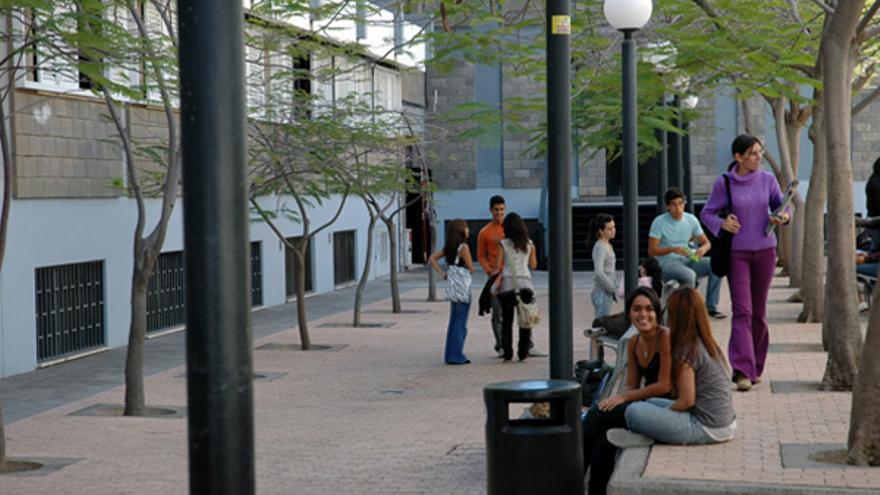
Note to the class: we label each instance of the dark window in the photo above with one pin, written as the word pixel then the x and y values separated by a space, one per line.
pixel 166 293
pixel 69 309
pixel 256 274
pixel 343 257
pixel 290 268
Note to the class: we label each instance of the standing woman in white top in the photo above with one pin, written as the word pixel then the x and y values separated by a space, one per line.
pixel 519 258
pixel 604 293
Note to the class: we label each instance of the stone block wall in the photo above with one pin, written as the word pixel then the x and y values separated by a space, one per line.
pixel 866 138
pixel 148 127
pixel 521 168
pixel 591 174
pixel 64 148
pixel 702 146
pixel 452 159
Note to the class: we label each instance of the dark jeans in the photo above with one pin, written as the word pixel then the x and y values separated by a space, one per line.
pixel 599 453
pixel 508 315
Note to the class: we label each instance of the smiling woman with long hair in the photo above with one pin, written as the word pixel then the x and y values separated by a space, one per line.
pixel 648 374
pixel 703 412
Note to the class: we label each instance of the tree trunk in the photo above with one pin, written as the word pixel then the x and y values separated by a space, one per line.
pixel 299 282
pixel 392 246
pixel 134 360
pixel 6 154
pixel 796 228
pixel 813 262
pixel 432 280
pixel 864 431
pixel 845 338
pixel 365 274
pixel 2 440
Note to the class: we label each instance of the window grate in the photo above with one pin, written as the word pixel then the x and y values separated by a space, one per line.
pixel 166 293
pixel 343 257
pixel 69 309
pixel 256 274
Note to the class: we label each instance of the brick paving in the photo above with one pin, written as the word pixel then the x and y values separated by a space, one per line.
pixel 766 421
pixel 384 415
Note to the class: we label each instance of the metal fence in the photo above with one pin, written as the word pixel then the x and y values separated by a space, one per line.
pixel 256 274
pixel 166 293
pixel 69 309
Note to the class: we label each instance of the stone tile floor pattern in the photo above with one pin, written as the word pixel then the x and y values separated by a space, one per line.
pixel 384 415
pixel 766 421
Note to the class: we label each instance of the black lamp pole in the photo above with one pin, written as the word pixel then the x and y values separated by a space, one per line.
pixel 218 330
pixel 630 166
pixel 663 175
pixel 559 188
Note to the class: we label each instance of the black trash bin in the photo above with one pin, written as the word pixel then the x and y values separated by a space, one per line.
pixel 534 456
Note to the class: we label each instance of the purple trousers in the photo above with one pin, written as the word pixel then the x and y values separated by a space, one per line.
pixel 750 275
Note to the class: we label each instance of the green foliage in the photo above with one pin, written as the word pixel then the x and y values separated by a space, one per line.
pixel 758 47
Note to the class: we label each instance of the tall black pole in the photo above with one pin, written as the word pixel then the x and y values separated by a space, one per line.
pixel 218 332
pixel 559 187
pixel 630 167
pixel 687 171
pixel 676 171
pixel 663 175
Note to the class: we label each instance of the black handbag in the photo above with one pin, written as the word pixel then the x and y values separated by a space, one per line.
pixel 720 252
pixel 591 375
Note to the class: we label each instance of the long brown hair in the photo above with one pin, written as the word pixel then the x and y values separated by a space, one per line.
pixel 456 231
pixel 689 321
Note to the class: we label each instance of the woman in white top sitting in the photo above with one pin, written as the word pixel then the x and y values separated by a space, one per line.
pixel 519 258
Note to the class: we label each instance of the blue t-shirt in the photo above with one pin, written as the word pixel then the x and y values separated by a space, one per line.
pixel 674 233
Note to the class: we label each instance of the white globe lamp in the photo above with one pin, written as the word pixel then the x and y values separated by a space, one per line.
pixel 628 15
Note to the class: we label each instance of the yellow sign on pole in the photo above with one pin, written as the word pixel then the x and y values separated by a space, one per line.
pixel 560 24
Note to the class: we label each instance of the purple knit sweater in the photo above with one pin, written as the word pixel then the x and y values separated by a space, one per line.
pixel 754 196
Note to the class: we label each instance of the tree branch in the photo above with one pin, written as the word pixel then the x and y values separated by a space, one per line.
pixel 867 100
pixel 866 19
pixel 824 6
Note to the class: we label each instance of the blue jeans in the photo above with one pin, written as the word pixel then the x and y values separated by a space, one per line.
pixel 688 272
pixel 602 303
pixel 869 269
pixel 456 332
pixel 653 418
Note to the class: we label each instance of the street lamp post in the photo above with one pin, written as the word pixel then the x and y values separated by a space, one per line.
pixel 559 187
pixel 629 16
pixel 688 102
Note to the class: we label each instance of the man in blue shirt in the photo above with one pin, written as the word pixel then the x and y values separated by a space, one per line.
pixel 669 242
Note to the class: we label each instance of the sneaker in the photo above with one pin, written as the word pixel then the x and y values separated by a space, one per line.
pixel 499 353
pixel 623 438
pixel 718 315
pixel 743 384
pixel 863 306
pixel 535 352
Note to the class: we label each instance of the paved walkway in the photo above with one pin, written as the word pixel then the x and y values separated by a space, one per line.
pixel 379 412
pixel 776 431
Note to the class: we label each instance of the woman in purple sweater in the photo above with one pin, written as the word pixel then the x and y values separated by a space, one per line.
pixel 755 195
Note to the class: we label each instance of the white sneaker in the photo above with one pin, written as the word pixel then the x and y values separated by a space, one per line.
pixel 535 352
pixel 499 353
pixel 623 438
pixel 863 306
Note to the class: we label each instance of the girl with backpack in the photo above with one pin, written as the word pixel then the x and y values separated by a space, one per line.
pixel 459 266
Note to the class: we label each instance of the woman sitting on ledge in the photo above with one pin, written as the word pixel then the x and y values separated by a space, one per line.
pixel 703 412
pixel 649 358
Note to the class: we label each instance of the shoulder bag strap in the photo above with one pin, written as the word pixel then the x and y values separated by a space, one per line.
pixel 727 188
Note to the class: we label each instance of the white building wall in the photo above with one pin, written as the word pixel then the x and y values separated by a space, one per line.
pixel 57 232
